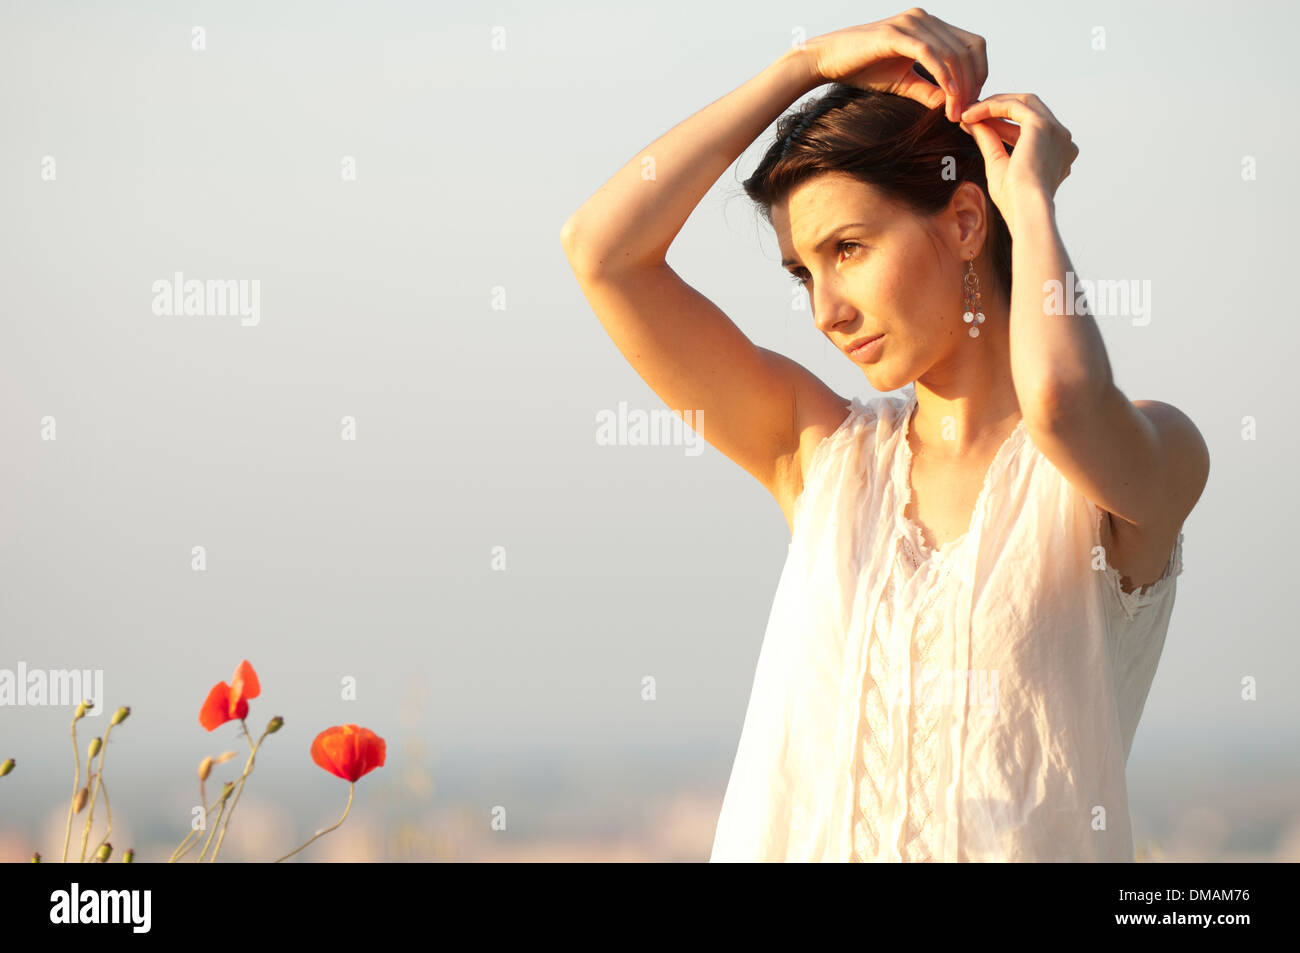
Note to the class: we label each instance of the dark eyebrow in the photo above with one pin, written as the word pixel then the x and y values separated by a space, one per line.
pixel 829 235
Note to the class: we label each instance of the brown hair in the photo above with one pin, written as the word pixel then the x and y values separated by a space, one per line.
pixel 888 141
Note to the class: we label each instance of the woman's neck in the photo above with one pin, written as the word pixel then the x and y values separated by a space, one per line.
pixel 968 401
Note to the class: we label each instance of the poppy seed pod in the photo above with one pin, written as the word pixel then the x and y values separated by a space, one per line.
pixel 119 716
pixel 95 745
pixel 7 766
pixel 79 802
pixel 129 856
pixel 104 852
pixel 205 768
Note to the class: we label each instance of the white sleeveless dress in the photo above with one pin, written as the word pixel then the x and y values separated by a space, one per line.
pixel 975 703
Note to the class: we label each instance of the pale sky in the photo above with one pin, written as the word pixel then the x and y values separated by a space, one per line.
pixel 429 301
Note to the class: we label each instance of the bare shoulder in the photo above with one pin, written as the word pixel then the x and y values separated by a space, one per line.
pixel 1141 553
pixel 1184 448
pixel 818 413
pixel 1181 465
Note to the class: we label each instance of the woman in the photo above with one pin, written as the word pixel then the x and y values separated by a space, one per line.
pixel 981 572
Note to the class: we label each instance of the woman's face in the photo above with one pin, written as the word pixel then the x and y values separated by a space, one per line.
pixel 873 267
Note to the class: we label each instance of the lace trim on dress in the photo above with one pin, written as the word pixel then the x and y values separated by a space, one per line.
pixel 1139 598
pixel 903 478
pixel 919 721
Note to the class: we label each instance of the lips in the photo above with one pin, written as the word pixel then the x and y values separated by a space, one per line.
pixel 861 341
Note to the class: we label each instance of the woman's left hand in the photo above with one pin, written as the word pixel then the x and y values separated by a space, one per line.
pixel 1042 154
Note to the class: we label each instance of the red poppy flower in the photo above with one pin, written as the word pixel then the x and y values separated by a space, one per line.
pixel 348 751
pixel 228 702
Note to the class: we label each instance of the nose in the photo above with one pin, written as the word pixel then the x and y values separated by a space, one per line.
pixel 830 308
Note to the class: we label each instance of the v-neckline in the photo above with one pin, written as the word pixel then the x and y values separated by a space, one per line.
pixel 913 528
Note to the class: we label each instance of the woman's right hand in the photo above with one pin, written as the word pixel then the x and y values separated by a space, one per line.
pixel 880 56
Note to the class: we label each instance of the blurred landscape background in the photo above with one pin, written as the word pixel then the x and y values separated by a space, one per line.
pixel 497 584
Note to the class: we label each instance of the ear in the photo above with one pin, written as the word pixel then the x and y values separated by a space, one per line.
pixel 967 220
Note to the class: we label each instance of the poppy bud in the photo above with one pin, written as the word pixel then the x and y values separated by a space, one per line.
pixel 119 716
pixel 226 789
pixel 81 711
pixel 79 802
pixel 36 857
pixel 274 725
pixel 7 766
pixel 205 768
pixel 129 855
pixel 223 757
pixel 95 745
pixel 102 855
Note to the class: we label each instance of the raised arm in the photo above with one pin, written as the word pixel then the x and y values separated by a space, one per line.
pixel 763 410
pixel 1143 462
pixel 681 344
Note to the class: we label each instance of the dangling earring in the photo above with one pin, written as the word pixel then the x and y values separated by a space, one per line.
pixel 971 292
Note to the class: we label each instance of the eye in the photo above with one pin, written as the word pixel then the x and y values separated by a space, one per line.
pixel 800 276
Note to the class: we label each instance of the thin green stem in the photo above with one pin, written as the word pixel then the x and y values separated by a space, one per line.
pixel 94 792
pixel 248 768
pixel 351 787
pixel 76 786
pixel 185 847
pixel 109 829
pixel 179 852
pixel 211 832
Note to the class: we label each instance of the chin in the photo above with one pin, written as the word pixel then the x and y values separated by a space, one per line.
pixel 884 380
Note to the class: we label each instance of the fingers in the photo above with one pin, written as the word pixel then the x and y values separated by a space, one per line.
pixel 922 90
pixel 1028 111
pixel 963 54
pixel 979 60
pixel 984 121
pixel 1007 132
pixel 971 58
pixel 990 144
pixel 908 42
pixel 1014 106
pixel 946 47
pixel 1074 154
